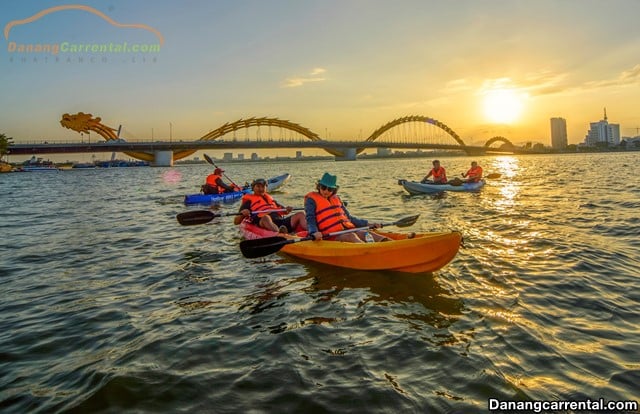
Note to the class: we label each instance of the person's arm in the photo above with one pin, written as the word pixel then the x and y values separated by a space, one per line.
pixel 356 221
pixel 246 212
pixel 310 213
pixel 426 177
pixel 223 185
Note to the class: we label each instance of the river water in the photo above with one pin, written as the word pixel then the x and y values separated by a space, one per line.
pixel 109 305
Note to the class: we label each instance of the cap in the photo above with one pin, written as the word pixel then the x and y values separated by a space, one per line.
pixel 218 171
pixel 259 181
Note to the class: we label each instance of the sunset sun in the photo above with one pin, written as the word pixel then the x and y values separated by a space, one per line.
pixel 502 106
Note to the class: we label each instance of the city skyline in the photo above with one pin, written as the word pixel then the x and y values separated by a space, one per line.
pixel 342 69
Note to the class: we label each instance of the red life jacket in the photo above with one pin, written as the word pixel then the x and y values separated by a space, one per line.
pixel 439 175
pixel 475 173
pixel 212 181
pixel 261 202
pixel 330 215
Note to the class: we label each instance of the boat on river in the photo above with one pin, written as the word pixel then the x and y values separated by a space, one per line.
pixel 272 184
pixel 37 165
pixel 416 187
pixel 406 252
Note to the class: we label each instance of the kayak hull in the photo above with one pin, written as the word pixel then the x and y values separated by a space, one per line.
pixel 207 199
pixel 414 187
pixel 425 252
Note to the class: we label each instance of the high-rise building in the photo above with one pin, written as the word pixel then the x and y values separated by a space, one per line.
pixel 602 133
pixel 558 133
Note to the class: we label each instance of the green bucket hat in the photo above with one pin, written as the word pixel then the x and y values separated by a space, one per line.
pixel 329 180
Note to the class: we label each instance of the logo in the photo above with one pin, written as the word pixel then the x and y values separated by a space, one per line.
pixel 80 50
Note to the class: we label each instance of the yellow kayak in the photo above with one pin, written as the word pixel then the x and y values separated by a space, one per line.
pixel 425 252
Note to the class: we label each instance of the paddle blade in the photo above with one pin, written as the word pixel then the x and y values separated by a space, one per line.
pixel 209 160
pixel 494 175
pixel 262 247
pixel 407 221
pixel 192 218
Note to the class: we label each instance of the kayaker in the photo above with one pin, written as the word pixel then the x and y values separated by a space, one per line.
pixel 275 221
pixel 474 174
pixel 215 185
pixel 438 173
pixel 326 213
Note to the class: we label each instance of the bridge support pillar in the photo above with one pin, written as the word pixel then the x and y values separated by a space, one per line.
pixel 349 154
pixel 163 159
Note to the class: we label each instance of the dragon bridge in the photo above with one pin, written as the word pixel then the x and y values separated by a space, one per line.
pixel 85 123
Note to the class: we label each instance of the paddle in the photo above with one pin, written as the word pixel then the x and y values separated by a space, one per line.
pixel 192 218
pixel 210 161
pixel 263 247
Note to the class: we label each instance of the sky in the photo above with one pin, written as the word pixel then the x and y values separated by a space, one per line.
pixel 341 68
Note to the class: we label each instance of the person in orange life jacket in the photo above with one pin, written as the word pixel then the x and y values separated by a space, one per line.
pixel 438 173
pixel 275 221
pixel 326 214
pixel 215 185
pixel 474 174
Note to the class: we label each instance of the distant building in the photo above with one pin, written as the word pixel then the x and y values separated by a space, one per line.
pixel 240 157
pixel 558 133
pixel 383 152
pixel 602 133
pixel 254 156
pixel 228 156
pixel 298 154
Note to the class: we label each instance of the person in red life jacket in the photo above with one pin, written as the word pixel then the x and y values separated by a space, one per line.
pixel 275 221
pixel 438 173
pixel 326 213
pixel 215 185
pixel 474 174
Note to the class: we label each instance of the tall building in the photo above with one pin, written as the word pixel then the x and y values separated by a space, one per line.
pixel 602 133
pixel 558 133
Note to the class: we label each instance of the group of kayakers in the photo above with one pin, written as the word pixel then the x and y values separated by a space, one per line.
pixel 438 175
pixel 324 212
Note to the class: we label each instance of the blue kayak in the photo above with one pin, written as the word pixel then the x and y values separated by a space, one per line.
pixel 272 184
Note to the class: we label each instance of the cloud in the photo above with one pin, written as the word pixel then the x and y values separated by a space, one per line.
pixel 626 78
pixel 314 76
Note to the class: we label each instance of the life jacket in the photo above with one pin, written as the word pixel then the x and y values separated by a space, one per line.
pixel 475 173
pixel 439 175
pixel 261 202
pixel 330 215
pixel 212 181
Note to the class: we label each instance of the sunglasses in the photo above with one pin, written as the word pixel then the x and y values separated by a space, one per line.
pixel 324 187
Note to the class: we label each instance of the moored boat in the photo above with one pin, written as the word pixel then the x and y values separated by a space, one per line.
pixel 273 184
pixel 415 187
pixel 411 253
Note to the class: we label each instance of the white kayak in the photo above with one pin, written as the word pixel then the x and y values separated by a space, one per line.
pixel 415 187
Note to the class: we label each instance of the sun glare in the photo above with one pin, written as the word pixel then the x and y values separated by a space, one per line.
pixel 502 106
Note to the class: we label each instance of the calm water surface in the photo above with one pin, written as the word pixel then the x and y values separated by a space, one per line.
pixel 109 305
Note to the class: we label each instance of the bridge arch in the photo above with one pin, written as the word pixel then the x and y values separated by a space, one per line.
pixel 414 118
pixel 498 139
pixel 271 122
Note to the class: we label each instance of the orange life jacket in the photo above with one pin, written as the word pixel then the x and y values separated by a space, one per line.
pixel 475 173
pixel 439 175
pixel 261 202
pixel 330 215
pixel 212 180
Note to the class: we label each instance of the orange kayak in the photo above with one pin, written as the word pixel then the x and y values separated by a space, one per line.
pixel 425 252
